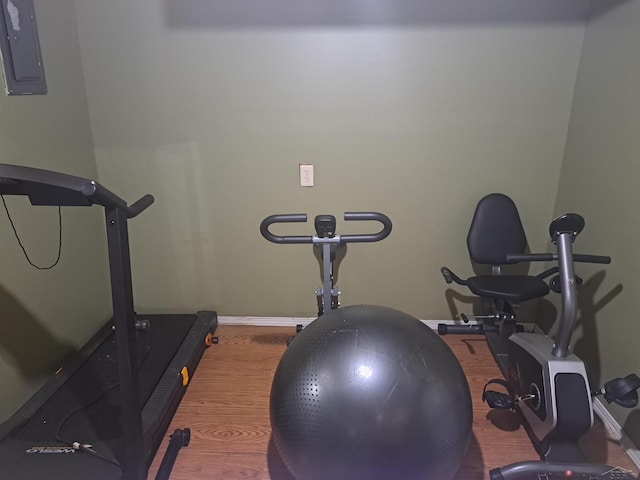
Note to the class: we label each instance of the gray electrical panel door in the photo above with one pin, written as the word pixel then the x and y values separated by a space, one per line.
pixel 20 49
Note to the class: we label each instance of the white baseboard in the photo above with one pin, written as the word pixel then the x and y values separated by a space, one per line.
pixel 293 321
pixel 265 321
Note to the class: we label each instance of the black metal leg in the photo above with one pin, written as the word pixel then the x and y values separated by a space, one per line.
pixel 125 325
pixel 179 439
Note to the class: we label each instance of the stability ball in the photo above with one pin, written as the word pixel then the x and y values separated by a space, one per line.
pixel 370 393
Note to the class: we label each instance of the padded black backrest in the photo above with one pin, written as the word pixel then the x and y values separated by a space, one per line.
pixel 495 231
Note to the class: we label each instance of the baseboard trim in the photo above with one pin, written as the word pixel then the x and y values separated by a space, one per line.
pixel 265 321
pixel 293 321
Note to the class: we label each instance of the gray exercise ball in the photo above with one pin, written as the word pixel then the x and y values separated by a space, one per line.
pixel 370 393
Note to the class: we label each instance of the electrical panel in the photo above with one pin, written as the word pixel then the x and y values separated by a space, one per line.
pixel 20 49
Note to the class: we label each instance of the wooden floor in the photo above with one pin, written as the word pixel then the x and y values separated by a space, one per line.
pixel 227 409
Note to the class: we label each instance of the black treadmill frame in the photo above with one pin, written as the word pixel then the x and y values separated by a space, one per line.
pixel 45 187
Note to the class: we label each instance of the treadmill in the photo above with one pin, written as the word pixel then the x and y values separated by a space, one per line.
pixel 103 415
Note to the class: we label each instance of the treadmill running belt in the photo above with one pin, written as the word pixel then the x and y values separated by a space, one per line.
pixel 86 409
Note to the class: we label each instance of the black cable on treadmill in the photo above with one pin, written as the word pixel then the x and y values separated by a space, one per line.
pixel 85 448
pixel 22 246
pixel 79 446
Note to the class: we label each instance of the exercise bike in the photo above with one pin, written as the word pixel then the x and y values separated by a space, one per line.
pixel 330 244
pixel 546 382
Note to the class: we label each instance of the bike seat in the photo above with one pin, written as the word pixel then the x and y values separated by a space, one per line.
pixel 512 288
pixel 495 232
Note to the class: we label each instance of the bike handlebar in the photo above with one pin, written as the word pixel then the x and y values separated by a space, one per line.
pixel 348 216
pixel 548 257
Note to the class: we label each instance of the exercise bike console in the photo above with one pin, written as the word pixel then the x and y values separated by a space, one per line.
pixel 557 406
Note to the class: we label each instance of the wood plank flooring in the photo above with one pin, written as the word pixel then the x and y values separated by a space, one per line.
pixel 227 409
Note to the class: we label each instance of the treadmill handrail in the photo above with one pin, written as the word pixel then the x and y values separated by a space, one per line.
pixel 18 179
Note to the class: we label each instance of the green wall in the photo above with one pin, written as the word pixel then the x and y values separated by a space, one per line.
pixel 416 112
pixel 599 181
pixel 47 314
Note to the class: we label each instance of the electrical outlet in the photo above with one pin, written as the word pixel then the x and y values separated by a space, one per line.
pixel 306 175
